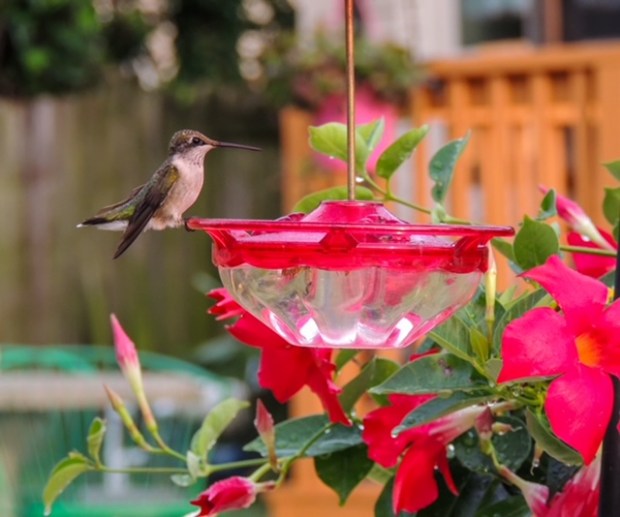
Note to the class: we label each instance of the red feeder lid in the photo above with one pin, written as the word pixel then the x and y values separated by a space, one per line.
pixel 345 235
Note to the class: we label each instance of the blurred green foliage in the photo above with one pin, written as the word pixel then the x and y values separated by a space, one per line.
pixel 209 32
pixel 50 46
pixel 307 72
pixel 62 46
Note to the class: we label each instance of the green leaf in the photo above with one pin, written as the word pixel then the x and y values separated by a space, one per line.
pixel 453 336
pixel 343 470
pixel 331 139
pixel 308 203
pixel 371 133
pixel 374 372
pixel 512 448
pixel 183 480
pixel 344 357
pixel 493 367
pixel 613 168
pixel 397 153
pixel 95 438
pixel 383 506
pixel 214 424
pixel 474 314
pixel 524 304
pixel 479 344
pixel 440 406
pixel 541 432
pixel 512 507
pixel 508 296
pixel 293 435
pixel 548 206
pixel 609 279
pixel 429 374
pixel 474 490
pixel 441 167
pixel 611 205
pixel 504 247
pixel 535 243
pixel 379 474
pixel 63 474
pixel 194 464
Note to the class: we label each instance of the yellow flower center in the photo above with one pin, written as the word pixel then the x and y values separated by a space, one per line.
pixel 588 349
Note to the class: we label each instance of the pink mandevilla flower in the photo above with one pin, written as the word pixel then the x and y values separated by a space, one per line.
pixel 233 493
pixel 585 234
pixel 578 498
pixel 284 368
pixel 424 448
pixel 592 265
pixel 580 347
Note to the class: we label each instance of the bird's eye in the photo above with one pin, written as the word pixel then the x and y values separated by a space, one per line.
pixel 197 141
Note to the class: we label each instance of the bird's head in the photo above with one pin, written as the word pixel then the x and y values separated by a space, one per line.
pixel 189 141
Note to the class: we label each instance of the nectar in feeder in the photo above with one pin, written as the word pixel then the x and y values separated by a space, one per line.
pixel 349 274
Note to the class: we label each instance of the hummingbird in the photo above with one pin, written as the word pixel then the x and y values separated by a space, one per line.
pixel 172 189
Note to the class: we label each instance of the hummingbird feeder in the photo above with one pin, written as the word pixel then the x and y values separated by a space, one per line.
pixel 350 274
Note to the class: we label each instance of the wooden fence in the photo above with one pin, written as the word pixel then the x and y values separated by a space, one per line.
pixel 547 116
pixel 62 160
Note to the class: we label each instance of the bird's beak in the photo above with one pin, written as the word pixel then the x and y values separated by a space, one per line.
pixel 236 146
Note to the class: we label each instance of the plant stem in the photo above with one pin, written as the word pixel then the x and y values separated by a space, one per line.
pixel 260 472
pixel 288 462
pixel 165 449
pixel 236 465
pixel 142 470
pixel 388 196
pixel 396 199
pixel 450 219
pixel 589 251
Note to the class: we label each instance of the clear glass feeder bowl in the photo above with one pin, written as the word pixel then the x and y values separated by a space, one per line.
pixel 349 274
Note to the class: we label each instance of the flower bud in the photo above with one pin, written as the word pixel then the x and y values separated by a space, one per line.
pixel 266 430
pixel 233 493
pixel 578 220
pixel 129 363
pixel 119 406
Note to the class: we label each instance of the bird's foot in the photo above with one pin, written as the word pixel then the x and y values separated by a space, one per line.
pixel 187 228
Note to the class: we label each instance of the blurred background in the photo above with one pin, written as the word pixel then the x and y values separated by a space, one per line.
pixel 92 90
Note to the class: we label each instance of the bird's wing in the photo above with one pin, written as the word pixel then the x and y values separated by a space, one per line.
pixel 153 195
pixel 117 212
pixel 110 208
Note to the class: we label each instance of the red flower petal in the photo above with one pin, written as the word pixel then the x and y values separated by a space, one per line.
pixel 415 486
pixel 538 344
pixel 580 496
pixel 607 334
pixel 229 494
pixel 581 298
pixel 284 371
pixel 444 467
pixel 320 382
pixel 225 306
pixel 579 406
pixel 591 265
pixel 253 332
pixel 383 447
